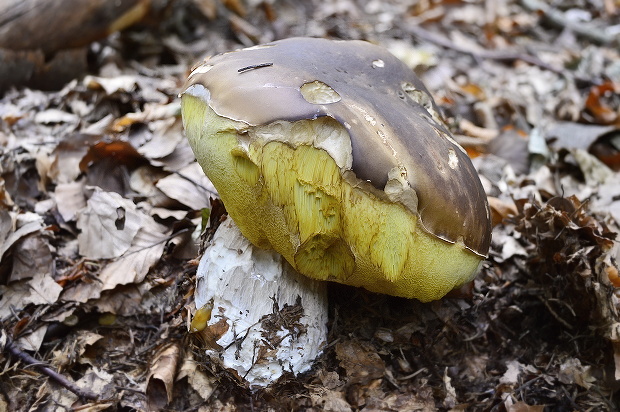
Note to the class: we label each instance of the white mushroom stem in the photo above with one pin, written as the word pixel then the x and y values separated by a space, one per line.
pixel 265 319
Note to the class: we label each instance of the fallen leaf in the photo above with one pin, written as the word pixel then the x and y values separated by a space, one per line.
pixel 160 381
pixel 14 226
pixel 108 225
pixel 146 250
pixel 70 199
pixel 202 383
pixel 524 407
pixel 189 186
pixel 511 376
pixel 33 340
pixel 360 360
pixel 572 371
pixel 167 134
pixel 41 289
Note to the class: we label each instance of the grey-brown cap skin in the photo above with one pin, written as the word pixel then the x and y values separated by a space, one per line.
pixel 389 114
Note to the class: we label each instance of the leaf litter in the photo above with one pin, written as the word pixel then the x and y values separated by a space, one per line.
pixel 101 210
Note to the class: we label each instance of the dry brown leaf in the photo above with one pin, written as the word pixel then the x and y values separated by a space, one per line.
pixel 360 361
pixel 572 371
pixel 207 7
pixel 146 250
pixel 524 407
pixel 33 340
pixel 189 186
pixel 167 134
pixel 602 103
pixel 68 154
pixel 201 382
pixel 161 377
pixel 41 289
pixel 14 226
pixel 108 225
pixel 31 255
pixel 501 209
pixel 70 199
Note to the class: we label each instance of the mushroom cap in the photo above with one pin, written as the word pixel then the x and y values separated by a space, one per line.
pixel 373 117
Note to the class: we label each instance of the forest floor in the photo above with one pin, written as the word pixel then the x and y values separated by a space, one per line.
pixel 531 90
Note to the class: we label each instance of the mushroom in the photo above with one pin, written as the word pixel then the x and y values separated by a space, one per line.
pixel 257 317
pixel 333 153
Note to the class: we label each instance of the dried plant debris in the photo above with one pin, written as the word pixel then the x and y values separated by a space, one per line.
pixel 102 207
pixel 571 258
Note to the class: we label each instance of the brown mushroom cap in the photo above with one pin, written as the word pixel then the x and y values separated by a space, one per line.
pixel 390 116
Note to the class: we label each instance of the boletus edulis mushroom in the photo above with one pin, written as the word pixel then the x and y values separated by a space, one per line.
pixel 333 153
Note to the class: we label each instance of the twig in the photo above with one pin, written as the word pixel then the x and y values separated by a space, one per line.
pixel 10 347
pixel 555 314
pixel 500 55
pixel 583 29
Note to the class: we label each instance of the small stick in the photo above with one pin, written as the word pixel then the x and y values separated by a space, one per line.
pixel 254 67
pixel 46 370
pixel 500 55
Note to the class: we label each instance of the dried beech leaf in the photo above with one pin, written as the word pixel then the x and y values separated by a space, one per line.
pixel 14 226
pixel 31 255
pixel 360 361
pixel 146 250
pixel 189 186
pixel 41 289
pixel 70 199
pixel 109 224
pixel 161 377
pixel 200 381
pixel 33 340
pixel 524 407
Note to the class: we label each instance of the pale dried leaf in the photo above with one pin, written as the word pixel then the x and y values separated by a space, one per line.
pixel 178 159
pixel 15 226
pixel 85 339
pixel 450 400
pixel 112 85
pixel 511 376
pixel 332 401
pixel 126 300
pixel 146 250
pixel 109 224
pixel 524 407
pixel 31 255
pixel 160 381
pixel 189 186
pixel 68 154
pixel 572 371
pixel 203 384
pixel 167 134
pixel 95 380
pixel 55 116
pixel 41 289
pixel 571 135
pixel 33 340
pixel 595 171
pixel 70 199
pixel 82 292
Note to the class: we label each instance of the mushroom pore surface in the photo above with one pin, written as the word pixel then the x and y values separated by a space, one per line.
pixel 333 154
